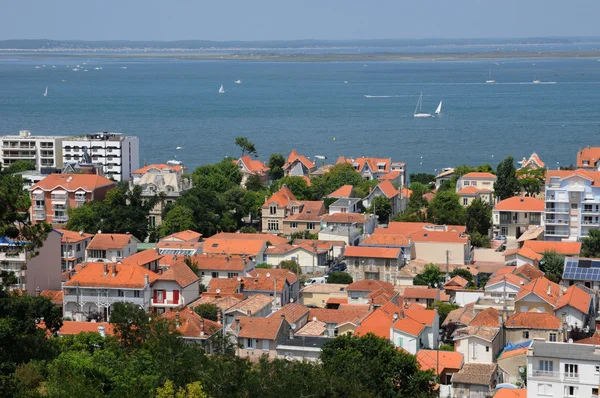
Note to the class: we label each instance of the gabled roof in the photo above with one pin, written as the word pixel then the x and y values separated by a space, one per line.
pixel 342 192
pixel 509 278
pixel 482 332
pixel 73 182
pixel 312 328
pixel 143 257
pixel 219 262
pixel 480 175
pixel 534 158
pixel 253 166
pixel 292 312
pixel 577 297
pixel 541 287
pixel 369 285
pixel 252 304
pixel 248 247
pixel 110 241
pixel 72 236
pixel 388 240
pixel 75 327
pixel 461 316
pixel 528 271
pixel 192 325
pixel 294 156
pixel 179 273
pixel 529 254
pixel 263 284
pixel 487 317
pixel 469 190
pixel 439 236
pixel 272 239
pixel 278 273
pixel 594 340
pixel 566 248
pixel 158 166
pixel 521 203
pixel 283 197
pixel 56 296
pixel 415 292
pixel 127 276
pixel 372 252
pixel 457 282
pixel 476 374
pixel 260 328
pixel 372 164
pixel 346 218
pixel 533 320
pixel 184 236
pixel 387 189
pixel 593 176
pixel 224 303
pixel 311 210
pixel 335 316
pixel 225 286
pixel 178 247
pixel 391 176
pixel 408 326
pixel 379 321
pixel 589 154
pixel 439 361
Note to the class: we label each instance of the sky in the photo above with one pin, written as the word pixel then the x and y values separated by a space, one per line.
pixel 294 19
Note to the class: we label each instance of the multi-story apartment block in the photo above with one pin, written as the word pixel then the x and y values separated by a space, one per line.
pixel 513 216
pixel 379 263
pixel 43 151
pixel 156 179
pixel 118 154
pixel 562 370
pixel 57 193
pixel 41 271
pixel 72 247
pixel 572 204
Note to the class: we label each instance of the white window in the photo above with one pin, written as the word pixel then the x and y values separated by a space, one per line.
pixel 310 225
pixel 597 370
pixel 249 343
pixel 544 389
pixel 232 275
pixel 400 342
pixel 272 210
pixel 523 308
pixel 571 391
pixel 465 201
pixel 294 225
pixel 265 345
pixel 552 337
pixel 571 371
pixel 504 231
pixel 545 366
pixel 136 293
pixel 467 183
pixel 273 225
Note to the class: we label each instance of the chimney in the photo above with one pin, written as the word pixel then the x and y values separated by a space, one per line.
pixel 219 316
pixel 201 326
pixel 500 319
pixel 146 280
pixel 37 291
pixel 101 331
pixel 548 291
pixel 236 328
pixel 401 313
pixel 242 286
pixel 177 319
pixel 105 269
pixel 113 269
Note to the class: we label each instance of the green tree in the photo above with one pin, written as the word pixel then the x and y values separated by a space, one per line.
pixel 382 207
pixel 430 276
pixel 590 245
pixel 416 201
pixel 248 230
pixel 19 166
pixel 291 265
pixel 306 234
pixel 130 323
pixel 463 273
pixel 192 390
pixel 443 309
pixel 263 265
pixel 276 163
pixel 507 185
pixel 447 347
pixel 483 280
pixel 255 183
pixel 179 218
pixel 296 184
pixel 448 185
pixel 208 311
pixel 446 209
pixel 479 222
pixel 422 178
pixel 531 180
pixel 246 146
pixel 552 263
pixel 339 277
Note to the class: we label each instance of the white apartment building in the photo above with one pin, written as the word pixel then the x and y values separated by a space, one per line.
pixel 513 216
pixel 118 154
pixel 43 151
pixel 572 204
pixel 563 370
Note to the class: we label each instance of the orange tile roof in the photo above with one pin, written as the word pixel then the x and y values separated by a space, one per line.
pixel 504 270
pixel 249 247
pixel 593 176
pixel 405 192
pixel 424 316
pixel 272 239
pixel 346 218
pixel 385 240
pixel 252 304
pixel 263 284
pixel 594 340
pixel 295 156
pixel 392 175
pixel 158 166
pixel 260 328
pixel 179 273
pixel 381 296
pixel 510 278
pixel 566 248
pixel 513 353
pixel 372 252
pixel 311 211
pixel 510 252
pixel 128 276
pixel 528 271
pixel 429 196
pixel 56 296
pixel 577 297
pixel 342 192
pixel 275 273
pixel 533 320
pixel 325 244
pixel 369 285
pixel 283 197
pixel 109 241
pixel 192 325
pixel 338 300
pixel 487 317
pixel 414 306
pixel 439 361
pixel 143 257
pixel 409 326
pixel 589 154
pixel 475 174
pixel 535 159
pixel 539 287
pixel 388 189
pixel 511 393
pixel 379 321
pixel 439 236
pixel 469 190
pixel 178 245
pixel 75 327
pixel 412 292
pixel 292 312
pixel 184 236
pixel 224 285
pixel 73 182
pixel 457 281
pixel 530 254
pixel 312 328
pixel 335 316
pixel 521 203
pixel 372 164
pixel 403 228
pixel 482 332
pixel 72 236
pixel 254 166
pixel 219 262
pixel 224 303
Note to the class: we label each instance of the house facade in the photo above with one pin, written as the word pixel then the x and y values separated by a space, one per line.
pixel 111 247
pixel 513 216
pixel 175 287
pixel 476 185
pixel 378 263
pixel 72 247
pixel 298 165
pixel 252 167
pixel 45 152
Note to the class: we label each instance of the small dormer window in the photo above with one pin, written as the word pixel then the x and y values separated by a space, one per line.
pixel 272 210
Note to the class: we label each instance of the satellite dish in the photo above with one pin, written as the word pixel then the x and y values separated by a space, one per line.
pixel 497 301
pixel 521 369
pixel 268 274
pixel 293 326
pixel 239 279
pixel 218 291
pixel 314 318
pixel 291 300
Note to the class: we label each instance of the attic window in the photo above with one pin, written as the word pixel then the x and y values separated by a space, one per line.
pixel 215 245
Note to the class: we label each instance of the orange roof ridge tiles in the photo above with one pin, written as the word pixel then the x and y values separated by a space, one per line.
pixel 379 321
pixel 346 218
pixel 521 203
pixel 191 324
pixel 487 317
pixel 591 155
pixel 385 240
pixel 533 320
pixel 105 241
pixel 440 360
pixel 220 262
pixel 456 280
pixel 56 296
pixel 510 278
pixel 143 257
pixel 469 190
pixel 372 164
pixel 539 287
pixel 387 188
pixel 575 296
pixel 369 285
pixel 477 174
pixel 72 236
pixel 73 182
pixel 344 191
pixel 372 252
pixel 179 273
pixel 303 159
pixel 253 165
pixel 282 197
pixel 292 312
pixel 273 239
pixel 76 327
pixel 158 166
pixel 260 328
pixel 247 247
pixel 409 326
pixel 566 248
pixel 130 276
pixel 184 236
pixel 593 176
pixel 224 303
pixel 530 254
pixel 528 271
pixel 277 273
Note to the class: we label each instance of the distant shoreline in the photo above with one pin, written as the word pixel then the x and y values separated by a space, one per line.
pixel 274 56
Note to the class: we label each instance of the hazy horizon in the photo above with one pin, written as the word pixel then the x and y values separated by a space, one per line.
pixel 236 20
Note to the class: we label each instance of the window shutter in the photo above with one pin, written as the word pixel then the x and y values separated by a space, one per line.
pixel 164 296
pixel 176 296
pixel 155 296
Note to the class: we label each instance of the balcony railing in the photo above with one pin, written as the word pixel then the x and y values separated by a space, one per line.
pixel 60 219
pixel 556 221
pixel 557 210
pixel 60 198
pixel 165 302
pixel 545 373
pixel 39 216
pixel 39 207
pixel 103 299
pixel 80 198
pixel 571 376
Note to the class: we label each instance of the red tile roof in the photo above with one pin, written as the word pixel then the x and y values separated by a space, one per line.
pixel 391 176
pixel 385 240
pixel 533 320
pixel 56 296
pixel 184 236
pixel 224 285
pixel 179 273
pixel 528 271
pixel 372 252
pixel 142 258
pixel 260 328
pixel 248 247
pixel 109 241
pixel 72 236
pixel 462 316
pixel 589 154
pixel 469 190
pixel 594 340
pixel 159 166
pixel 577 297
pixel 342 192
pixel 336 316
pixel 456 282
pixel 282 198
pixel 439 236
pixel 413 292
pixel 192 247
pixel 387 188
pixel 408 326
pixel 263 284
pixel 379 321
pixel 372 163
pixel 539 287
pixel 439 361
pixel 521 203
pixel 293 312
pixel 346 218
pixel 487 317
pixel 219 262
pixel 510 278
pixel 254 166
pixel 73 182
pixel 267 238
pixel 295 156
pixel 369 285
pixel 128 276
pixel 275 273
pixel 593 176
pixel 566 248
pixel 337 300
pixel 511 393
pixel 74 327
pixel 534 158
pixel 192 325
pixel 479 175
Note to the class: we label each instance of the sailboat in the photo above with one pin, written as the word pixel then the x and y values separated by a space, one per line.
pixel 490 80
pixel 536 80
pixel 419 108
pixel 238 82
pixel 46 92
pixel 221 90
pixel 439 109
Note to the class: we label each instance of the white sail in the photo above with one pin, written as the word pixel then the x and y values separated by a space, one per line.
pixel 490 80
pixel 439 109
pixel 46 92
pixel 221 90
pixel 419 108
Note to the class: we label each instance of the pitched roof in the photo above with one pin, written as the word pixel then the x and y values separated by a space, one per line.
pixel 252 165
pixel 338 300
pixel 483 332
pixel 392 175
pixel 73 182
pixel 178 247
pixel 335 316
pixel 475 373
pixel 56 296
pixel 439 361
pixel 520 203
pixel 224 303
pixel 387 188
pixel 346 218
pixel 311 210
pixel 292 312
pixel 408 326
pixel 143 257
pixel 487 317
pixel 439 236
pixel 283 197
pixel 386 240
pixel 219 262
pixel 589 154
pixel 184 236
pixel 509 278
pixel 379 321
pixel 594 340
pixel 469 190
pixel 158 166
pixel 577 297
pixel 342 192
pixel 372 163
pixel 263 284
pixel 475 174
pixel 294 156
pixel 372 252
pixel 528 271
pixel 75 327
pixel 128 276
pixel 272 239
pixel 413 292
pixel 528 253
pixel 223 285
pixel 109 241
pixel 249 247
pixel 325 288
pixel 275 273
pixel 534 158
pixel 566 248
pixel 405 192
pixel 533 320
pixel 179 273
pixel 456 282
pixel 369 285
pixel 312 328
pixel 252 304
pixel 260 328
pixel 541 287
pixel 192 325
pixel 511 392
pixel 593 176
pixel 461 316
pixel 72 236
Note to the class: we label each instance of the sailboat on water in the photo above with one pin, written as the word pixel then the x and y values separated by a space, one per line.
pixel 438 111
pixel 221 90
pixel 46 92
pixel 419 108
pixel 490 80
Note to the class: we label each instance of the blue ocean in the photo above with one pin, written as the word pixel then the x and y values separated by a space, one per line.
pixel 319 108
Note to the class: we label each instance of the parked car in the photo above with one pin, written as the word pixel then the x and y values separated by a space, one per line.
pixel 500 237
pixel 339 268
pixel 314 281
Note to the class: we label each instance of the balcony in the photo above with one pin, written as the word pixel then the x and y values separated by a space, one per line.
pixel 103 299
pixel 39 207
pixel 545 374
pixel 59 207
pixel 39 216
pixel 556 221
pixel 38 196
pixel 165 303
pixel 557 209
pixel 80 198
pixel 569 376
pixel 590 223
pixel 553 232
pixel 60 218
pixel 59 198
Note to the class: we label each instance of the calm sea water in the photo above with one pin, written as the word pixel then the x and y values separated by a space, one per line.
pixel 307 106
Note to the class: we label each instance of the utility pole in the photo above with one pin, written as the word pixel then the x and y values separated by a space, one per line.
pixel 447 264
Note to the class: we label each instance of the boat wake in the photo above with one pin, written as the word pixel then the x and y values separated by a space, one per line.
pixel 379 96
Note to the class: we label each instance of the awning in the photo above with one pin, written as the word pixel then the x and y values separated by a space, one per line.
pixel 59 192
pixel 38 192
